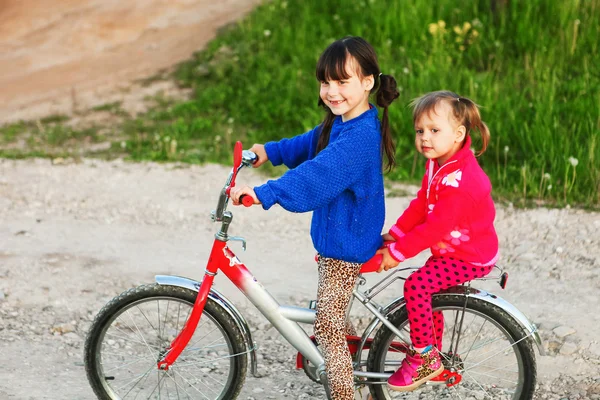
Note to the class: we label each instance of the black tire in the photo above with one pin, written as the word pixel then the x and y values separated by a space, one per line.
pixel 117 334
pixel 495 319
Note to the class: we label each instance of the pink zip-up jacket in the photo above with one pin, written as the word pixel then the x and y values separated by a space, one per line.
pixel 453 214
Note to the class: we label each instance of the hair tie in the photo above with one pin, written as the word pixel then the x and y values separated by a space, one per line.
pixel 458 99
pixel 381 73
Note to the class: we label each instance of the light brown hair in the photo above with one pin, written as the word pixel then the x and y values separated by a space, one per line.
pixel 464 111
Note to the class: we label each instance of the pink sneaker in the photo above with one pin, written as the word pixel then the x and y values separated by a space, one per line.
pixel 416 369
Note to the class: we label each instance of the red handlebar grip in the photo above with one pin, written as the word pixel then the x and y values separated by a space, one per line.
pixel 246 200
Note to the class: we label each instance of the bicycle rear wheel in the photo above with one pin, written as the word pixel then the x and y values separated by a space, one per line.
pixel 132 332
pixel 492 353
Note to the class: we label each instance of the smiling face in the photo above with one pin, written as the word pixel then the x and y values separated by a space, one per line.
pixel 348 97
pixel 438 135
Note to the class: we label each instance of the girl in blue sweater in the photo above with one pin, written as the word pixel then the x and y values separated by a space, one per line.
pixel 335 170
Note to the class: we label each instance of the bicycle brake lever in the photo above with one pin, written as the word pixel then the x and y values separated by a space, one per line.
pixel 239 239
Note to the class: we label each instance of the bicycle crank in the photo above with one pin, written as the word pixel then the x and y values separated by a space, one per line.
pixel 449 378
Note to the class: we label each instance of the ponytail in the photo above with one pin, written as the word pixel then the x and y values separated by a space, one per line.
pixel 387 92
pixel 468 112
pixel 325 128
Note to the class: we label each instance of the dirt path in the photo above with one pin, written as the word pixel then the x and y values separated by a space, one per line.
pixel 59 56
pixel 73 236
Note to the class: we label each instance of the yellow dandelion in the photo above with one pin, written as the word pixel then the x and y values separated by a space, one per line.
pixel 466 26
pixel 441 24
pixel 457 30
pixel 433 28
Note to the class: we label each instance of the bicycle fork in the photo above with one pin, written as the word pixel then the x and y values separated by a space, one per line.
pixel 188 330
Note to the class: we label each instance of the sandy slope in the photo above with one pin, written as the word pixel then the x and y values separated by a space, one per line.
pixel 58 56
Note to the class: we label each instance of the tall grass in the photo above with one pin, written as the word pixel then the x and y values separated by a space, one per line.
pixel 531 65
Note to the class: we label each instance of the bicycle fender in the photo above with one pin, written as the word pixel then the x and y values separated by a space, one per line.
pixel 482 295
pixel 242 324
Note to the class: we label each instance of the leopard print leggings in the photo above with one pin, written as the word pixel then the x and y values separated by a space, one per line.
pixel 336 282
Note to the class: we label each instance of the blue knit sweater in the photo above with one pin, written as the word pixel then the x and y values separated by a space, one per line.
pixel 343 185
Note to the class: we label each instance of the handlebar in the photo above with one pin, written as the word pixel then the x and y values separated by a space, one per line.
pixel 246 200
pixel 248 158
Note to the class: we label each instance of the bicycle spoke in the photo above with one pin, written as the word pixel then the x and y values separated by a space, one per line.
pixel 140 333
pixel 209 361
pixel 474 340
pixel 505 368
pixel 487 343
pixel 497 377
pixel 160 377
pixel 192 386
pixel 476 382
pixel 132 331
pixel 495 354
pixel 166 386
pixel 124 365
pixel 158 318
pixel 456 392
pixel 144 375
pixel 127 339
pixel 178 386
pixel 148 320
pixel 177 331
pixel 210 375
pixel 215 328
pixel 198 366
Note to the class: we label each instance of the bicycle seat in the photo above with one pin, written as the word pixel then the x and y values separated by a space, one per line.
pixel 372 265
pixel 374 262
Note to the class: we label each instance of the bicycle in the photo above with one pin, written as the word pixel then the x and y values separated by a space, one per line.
pixel 148 342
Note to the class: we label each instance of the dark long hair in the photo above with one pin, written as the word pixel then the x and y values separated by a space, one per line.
pixel 464 111
pixel 332 66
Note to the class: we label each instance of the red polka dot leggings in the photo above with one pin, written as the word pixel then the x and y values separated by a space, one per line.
pixel 427 328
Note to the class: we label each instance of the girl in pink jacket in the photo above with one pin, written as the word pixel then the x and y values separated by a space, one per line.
pixel 453 215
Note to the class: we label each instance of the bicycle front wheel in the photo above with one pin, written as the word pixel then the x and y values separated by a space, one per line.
pixel 132 333
pixel 481 343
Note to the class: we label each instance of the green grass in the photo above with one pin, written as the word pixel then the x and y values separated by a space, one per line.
pixel 113 108
pixel 531 65
pixel 536 79
pixel 47 137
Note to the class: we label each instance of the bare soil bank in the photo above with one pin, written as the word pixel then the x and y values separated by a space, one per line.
pixel 59 56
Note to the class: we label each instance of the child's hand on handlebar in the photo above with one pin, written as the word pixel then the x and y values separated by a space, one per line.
pixel 387 262
pixel 238 192
pixel 259 150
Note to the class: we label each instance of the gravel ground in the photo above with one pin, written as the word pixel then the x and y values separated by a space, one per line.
pixel 72 236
